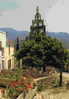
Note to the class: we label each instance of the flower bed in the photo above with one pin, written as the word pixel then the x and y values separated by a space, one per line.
pixel 17 87
pixel 15 81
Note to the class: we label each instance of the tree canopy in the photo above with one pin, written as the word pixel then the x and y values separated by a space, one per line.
pixel 42 50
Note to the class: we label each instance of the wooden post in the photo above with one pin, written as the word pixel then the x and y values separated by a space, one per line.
pixel 60 82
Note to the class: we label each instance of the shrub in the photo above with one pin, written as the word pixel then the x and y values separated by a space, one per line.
pixel 55 82
pixel 67 85
pixel 41 86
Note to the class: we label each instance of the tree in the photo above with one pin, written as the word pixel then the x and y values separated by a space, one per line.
pixel 41 52
pixel 17 44
pixel 67 60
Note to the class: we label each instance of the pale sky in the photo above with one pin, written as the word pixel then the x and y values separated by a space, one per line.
pixel 18 14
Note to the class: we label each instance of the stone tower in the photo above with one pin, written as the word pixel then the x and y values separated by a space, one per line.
pixel 37 24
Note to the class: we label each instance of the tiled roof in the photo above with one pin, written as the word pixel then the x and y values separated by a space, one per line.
pixel 10 42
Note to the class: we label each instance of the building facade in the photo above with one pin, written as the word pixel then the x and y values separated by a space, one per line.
pixel 3 39
pixel 6 52
pixel 1 59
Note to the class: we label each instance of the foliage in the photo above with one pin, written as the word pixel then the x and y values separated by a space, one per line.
pixel 40 51
pixel 67 85
pixel 67 60
pixel 41 87
pixel 49 82
pixel 17 87
pixel 56 83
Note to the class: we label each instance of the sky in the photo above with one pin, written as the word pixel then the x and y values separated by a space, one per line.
pixel 18 14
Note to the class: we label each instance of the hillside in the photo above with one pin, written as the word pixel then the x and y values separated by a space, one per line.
pixel 62 36
pixel 13 33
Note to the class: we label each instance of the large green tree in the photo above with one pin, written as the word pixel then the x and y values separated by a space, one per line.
pixel 42 51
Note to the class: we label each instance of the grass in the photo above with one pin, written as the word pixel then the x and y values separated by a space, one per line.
pixel 56 93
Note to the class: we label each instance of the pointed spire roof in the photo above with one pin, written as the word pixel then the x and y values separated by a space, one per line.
pixel 37 24
pixel 37 15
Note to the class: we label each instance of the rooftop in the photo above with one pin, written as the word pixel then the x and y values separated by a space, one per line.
pixel 2 32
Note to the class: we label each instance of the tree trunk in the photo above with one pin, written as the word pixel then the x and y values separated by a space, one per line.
pixel 60 82
pixel 44 68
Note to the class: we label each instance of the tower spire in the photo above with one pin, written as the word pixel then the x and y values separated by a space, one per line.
pixel 37 15
pixel 37 9
pixel 37 24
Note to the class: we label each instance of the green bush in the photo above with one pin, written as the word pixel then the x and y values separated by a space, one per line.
pixel 67 85
pixel 55 82
pixel 41 86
